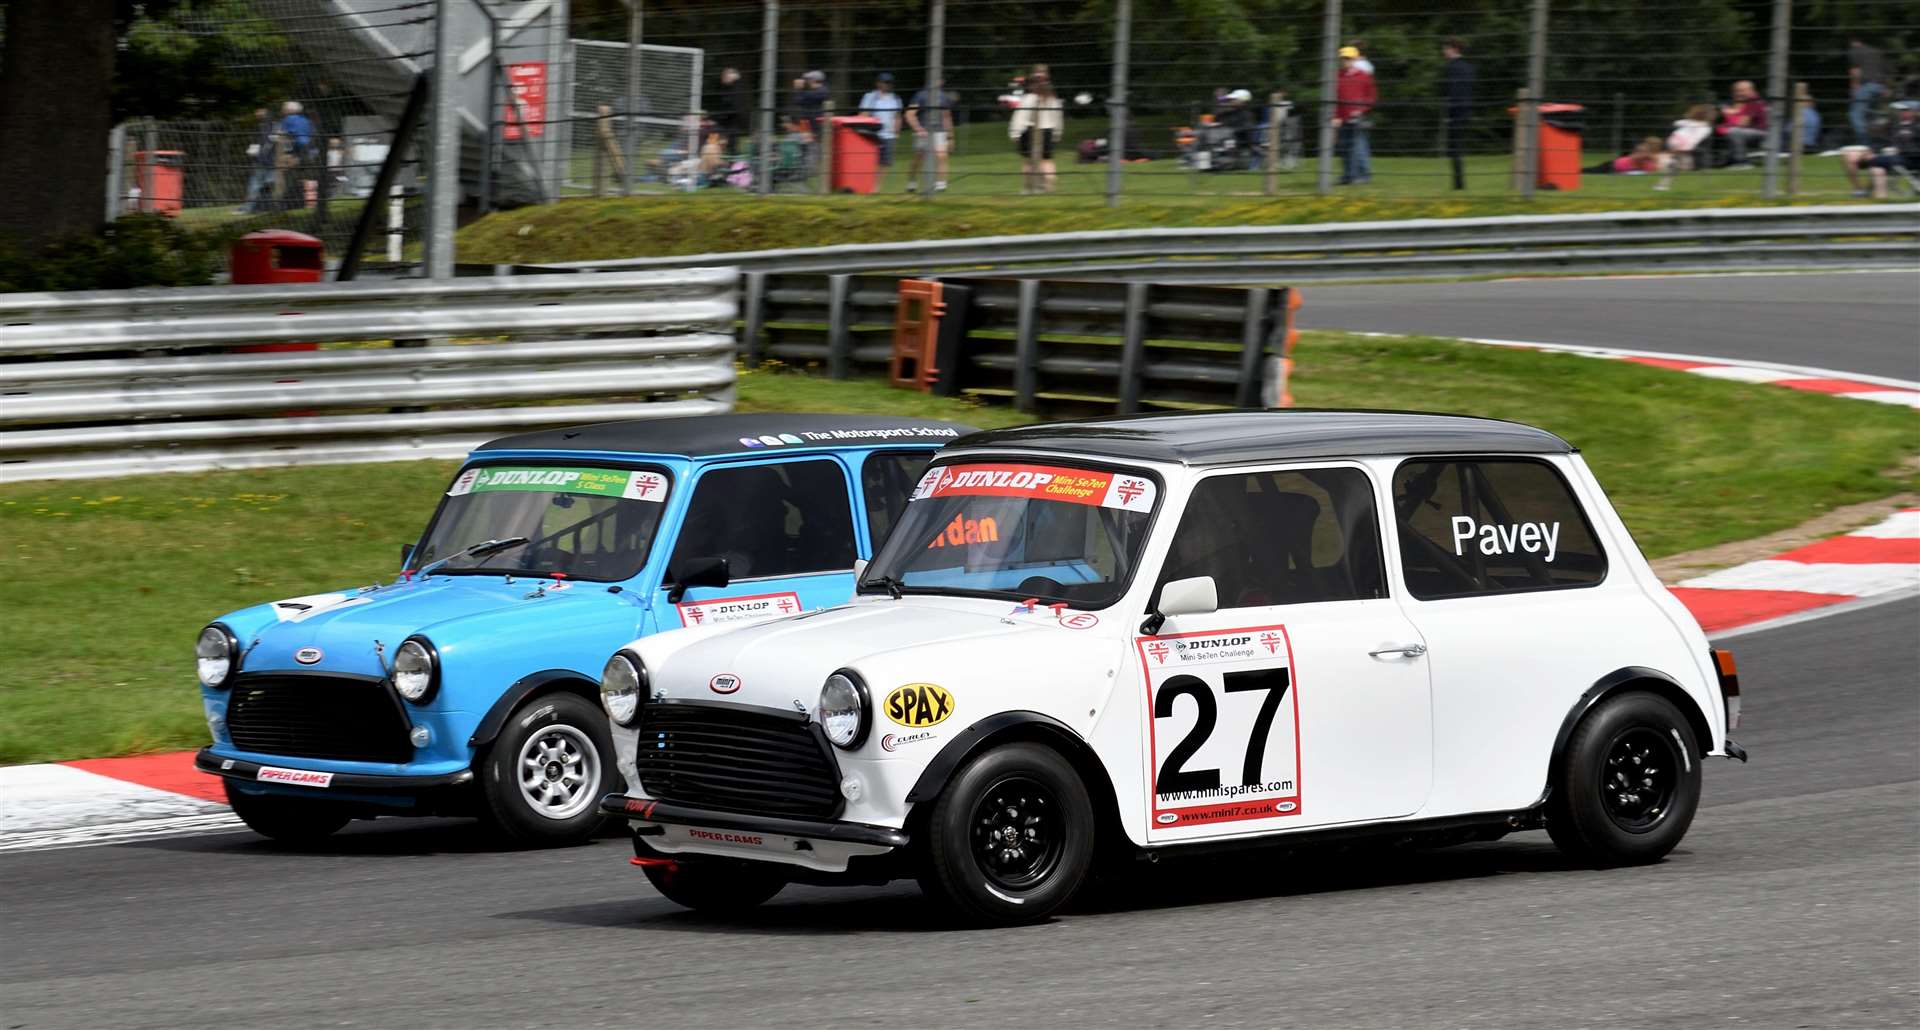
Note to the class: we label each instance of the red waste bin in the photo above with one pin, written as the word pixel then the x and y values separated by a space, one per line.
pixel 277 256
pixel 856 154
pixel 160 175
pixel 1560 126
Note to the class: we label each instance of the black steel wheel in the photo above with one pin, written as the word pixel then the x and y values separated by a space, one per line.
pixel 1010 839
pixel 1017 833
pixel 1626 786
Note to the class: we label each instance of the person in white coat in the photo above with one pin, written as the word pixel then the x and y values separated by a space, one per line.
pixel 1037 124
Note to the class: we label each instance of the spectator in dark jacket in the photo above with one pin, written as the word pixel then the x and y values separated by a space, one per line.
pixel 1866 83
pixel 731 108
pixel 1457 89
pixel 810 98
pixel 1354 97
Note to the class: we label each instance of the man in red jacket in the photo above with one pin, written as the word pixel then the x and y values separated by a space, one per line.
pixel 1353 116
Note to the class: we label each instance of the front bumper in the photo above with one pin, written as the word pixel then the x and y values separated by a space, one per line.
pixel 355 783
pixel 816 844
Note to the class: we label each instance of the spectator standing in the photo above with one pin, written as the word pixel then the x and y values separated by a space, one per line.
pixel 810 99
pixel 1744 122
pixel 1038 122
pixel 260 157
pixel 1354 97
pixel 1457 90
pixel 731 108
pixel 1866 82
pixel 932 133
pixel 295 143
pixel 1360 61
pixel 883 104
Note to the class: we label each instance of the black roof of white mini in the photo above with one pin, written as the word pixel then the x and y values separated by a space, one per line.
pixel 1236 437
pixel 700 436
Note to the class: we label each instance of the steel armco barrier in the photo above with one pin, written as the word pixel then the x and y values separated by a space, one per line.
pixel 1853 235
pixel 122 382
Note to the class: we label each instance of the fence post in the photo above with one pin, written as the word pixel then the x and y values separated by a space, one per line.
pixel 1026 349
pixel 936 97
pixel 117 170
pixel 1117 99
pixel 630 144
pixel 1802 100
pixel 1273 144
pixel 443 183
pixel 1778 105
pixel 839 320
pixel 1329 87
pixel 1536 92
pixel 825 130
pixel 769 55
pixel 1522 175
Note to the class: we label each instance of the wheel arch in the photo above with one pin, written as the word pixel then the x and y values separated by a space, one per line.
pixel 1023 727
pixel 1635 678
pixel 546 681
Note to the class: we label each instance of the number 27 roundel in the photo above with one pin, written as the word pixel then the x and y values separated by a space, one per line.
pixel 1223 725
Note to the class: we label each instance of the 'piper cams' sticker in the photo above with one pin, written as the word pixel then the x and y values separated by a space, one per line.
pixel 718 610
pixel 919 704
pixel 1223 715
pixel 637 485
pixel 1041 482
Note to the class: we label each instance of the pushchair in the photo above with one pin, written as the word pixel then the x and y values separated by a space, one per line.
pixel 1209 147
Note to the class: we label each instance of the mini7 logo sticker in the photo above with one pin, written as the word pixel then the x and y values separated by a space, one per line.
pixel 1129 489
pixel 1271 641
pixel 1159 651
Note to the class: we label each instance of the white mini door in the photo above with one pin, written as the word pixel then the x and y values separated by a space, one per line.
pixel 1302 699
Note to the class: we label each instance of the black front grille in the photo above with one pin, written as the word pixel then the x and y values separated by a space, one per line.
pixel 737 758
pixel 337 717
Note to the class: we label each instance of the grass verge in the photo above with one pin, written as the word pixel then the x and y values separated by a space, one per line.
pixel 109 579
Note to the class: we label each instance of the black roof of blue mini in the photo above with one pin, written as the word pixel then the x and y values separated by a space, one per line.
pixel 1237 437
pixel 700 436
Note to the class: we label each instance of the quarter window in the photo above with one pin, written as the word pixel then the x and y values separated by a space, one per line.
pixel 1281 538
pixel 886 482
pixel 1491 526
pixel 786 519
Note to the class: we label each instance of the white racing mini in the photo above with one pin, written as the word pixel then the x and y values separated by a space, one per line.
pixel 1184 632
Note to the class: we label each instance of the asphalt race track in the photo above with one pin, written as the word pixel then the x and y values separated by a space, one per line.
pixel 1791 903
pixel 1859 322
pixel 1794 901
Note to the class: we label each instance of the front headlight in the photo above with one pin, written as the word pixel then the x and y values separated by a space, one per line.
pixel 843 710
pixel 416 670
pixel 213 655
pixel 620 689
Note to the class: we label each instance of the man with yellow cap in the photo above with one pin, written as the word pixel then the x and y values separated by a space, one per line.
pixel 1354 97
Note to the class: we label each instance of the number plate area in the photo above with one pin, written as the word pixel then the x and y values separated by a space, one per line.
pixel 1223 731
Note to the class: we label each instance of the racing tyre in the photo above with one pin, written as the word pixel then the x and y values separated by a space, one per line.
pixel 542 780
pixel 288 819
pixel 1011 838
pixel 1626 787
pixel 715 887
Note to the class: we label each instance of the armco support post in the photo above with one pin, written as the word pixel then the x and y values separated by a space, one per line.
pixel 1133 349
pixel 839 334
pixel 754 301
pixel 1026 349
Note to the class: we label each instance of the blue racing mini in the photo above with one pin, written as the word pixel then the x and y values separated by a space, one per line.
pixel 470 684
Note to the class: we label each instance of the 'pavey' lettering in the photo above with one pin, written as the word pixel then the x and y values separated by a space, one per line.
pixel 1531 537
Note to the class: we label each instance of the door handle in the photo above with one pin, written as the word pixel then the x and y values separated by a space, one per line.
pixel 1404 651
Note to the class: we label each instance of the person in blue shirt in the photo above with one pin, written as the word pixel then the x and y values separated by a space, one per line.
pixel 882 103
pixel 297 128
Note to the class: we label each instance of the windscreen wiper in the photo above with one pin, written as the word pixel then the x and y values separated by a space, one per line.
pixel 891 585
pixel 484 549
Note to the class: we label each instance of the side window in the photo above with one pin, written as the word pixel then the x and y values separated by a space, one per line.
pixel 1491 526
pixel 770 520
pixel 886 481
pixel 1281 538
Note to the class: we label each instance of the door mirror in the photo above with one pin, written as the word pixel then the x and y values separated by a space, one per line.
pixel 1195 596
pixel 709 571
pixel 859 568
pixel 406 555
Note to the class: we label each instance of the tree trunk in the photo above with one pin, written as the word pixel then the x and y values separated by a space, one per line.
pixel 56 82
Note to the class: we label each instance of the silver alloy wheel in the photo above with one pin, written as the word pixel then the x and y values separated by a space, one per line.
pixel 559 770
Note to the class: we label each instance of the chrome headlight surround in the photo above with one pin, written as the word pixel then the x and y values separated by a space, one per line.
pixel 845 709
pixel 623 684
pixel 416 670
pixel 216 656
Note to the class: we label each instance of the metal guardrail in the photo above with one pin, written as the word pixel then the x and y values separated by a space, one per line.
pixel 1853 235
pixel 121 382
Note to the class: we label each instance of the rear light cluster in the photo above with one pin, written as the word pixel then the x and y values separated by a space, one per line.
pixel 1729 686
